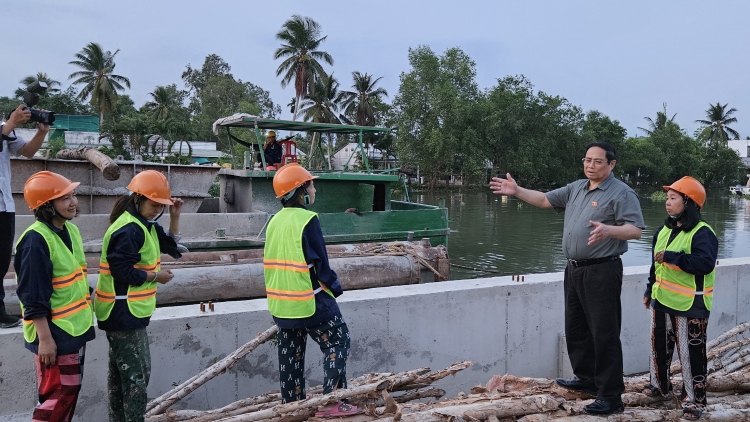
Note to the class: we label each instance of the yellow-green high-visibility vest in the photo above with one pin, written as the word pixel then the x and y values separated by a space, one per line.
pixel 141 299
pixel 288 285
pixel 70 301
pixel 676 288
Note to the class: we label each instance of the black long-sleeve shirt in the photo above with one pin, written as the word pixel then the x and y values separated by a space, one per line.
pixel 701 261
pixel 123 252
pixel 34 270
pixel 326 308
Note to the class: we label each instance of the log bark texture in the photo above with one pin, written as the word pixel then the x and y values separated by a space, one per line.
pixel 106 165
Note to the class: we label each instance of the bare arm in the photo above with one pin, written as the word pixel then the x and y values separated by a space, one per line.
pixel 508 186
pixel 35 143
pixel 47 347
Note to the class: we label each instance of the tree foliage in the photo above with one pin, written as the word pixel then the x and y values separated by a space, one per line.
pixel 300 37
pixel 97 77
pixel 438 116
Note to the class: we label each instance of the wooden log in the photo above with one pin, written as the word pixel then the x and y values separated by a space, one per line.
pixel 428 379
pixel 485 409
pixel 742 361
pixel 106 165
pixel 314 403
pixel 163 402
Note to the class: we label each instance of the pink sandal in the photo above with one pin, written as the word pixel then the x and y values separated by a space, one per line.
pixel 339 409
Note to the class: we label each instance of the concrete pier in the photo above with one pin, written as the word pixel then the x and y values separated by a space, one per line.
pixel 504 326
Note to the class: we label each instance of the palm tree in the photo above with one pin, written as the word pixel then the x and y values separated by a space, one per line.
pixel 163 102
pixel 358 104
pixel 42 77
pixel 96 75
pixel 300 37
pixel 718 119
pixel 321 106
pixel 660 122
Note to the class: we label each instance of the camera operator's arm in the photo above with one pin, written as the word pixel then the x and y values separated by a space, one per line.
pixel 31 147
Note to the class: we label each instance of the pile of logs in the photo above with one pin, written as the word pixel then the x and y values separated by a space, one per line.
pixel 399 396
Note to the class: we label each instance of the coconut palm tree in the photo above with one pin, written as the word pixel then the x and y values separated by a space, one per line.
pixel 718 119
pixel 42 77
pixel 164 101
pixel 660 122
pixel 321 106
pixel 300 37
pixel 358 104
pixel 97 78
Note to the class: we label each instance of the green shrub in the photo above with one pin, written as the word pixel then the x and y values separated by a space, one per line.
pixel 659 195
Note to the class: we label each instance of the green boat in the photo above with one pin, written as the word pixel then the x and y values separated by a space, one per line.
pixel 378 217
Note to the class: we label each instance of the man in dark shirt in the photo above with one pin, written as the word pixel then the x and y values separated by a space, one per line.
pixel 601 215
pixel 271 150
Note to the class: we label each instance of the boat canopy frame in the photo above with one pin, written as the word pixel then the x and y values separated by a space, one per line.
pixel 247 121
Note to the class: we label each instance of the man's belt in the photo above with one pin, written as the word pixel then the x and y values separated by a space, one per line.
pixel 585 262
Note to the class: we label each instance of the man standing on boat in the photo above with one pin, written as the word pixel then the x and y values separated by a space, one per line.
pixel 601 215
pixel 271 149
pixel 12 144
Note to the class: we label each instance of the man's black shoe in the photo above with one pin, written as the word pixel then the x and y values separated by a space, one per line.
pixel 576 384
pixel 8 321
pixel 601 407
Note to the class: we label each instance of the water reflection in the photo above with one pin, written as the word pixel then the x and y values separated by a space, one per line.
pixel 505 236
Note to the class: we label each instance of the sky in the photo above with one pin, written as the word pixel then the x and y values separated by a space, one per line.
pixel 623 58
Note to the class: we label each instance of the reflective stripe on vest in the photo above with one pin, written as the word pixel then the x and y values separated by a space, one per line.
pixel 289 288
pixel 673 287
pixel 70 301
pixel 141 299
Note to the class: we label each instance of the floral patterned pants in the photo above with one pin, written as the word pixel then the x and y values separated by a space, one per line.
pixel 689 335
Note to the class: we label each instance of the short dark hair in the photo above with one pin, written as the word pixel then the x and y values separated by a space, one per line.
pixel 607 147
pixel 46 212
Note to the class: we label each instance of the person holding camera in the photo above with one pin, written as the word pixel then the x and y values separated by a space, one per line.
pixel 12 144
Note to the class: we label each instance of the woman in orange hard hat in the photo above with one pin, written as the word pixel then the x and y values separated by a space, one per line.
pixel 680 295
pixel 301 289
pixel 58 318
pixel 126 290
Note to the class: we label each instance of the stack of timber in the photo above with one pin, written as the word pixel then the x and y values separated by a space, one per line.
pixel 393 396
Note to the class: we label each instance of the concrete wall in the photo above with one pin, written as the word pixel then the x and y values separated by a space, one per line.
pixel 502 325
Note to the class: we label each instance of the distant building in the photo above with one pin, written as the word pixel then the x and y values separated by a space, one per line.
pixel 742 146
pixel 374 156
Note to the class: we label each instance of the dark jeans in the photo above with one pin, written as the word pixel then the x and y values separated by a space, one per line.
pixel 332 337
pixel 593 317
pixel 7 232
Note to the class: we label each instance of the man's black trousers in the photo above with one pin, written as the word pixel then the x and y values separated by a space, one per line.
pixel 7 231
pixel 593 317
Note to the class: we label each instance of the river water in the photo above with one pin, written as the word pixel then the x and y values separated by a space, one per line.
pixel 505 236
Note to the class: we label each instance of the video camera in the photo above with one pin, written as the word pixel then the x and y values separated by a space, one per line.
pixel 31 98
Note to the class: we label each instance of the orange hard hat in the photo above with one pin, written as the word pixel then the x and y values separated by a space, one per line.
pixel 289 178
pixel 691 188
pixel 45 186
pixel 153 185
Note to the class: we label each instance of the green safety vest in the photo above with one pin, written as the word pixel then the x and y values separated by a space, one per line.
pixel 288 285
pixel 141 299
pixel 676 288
pixel 70 300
